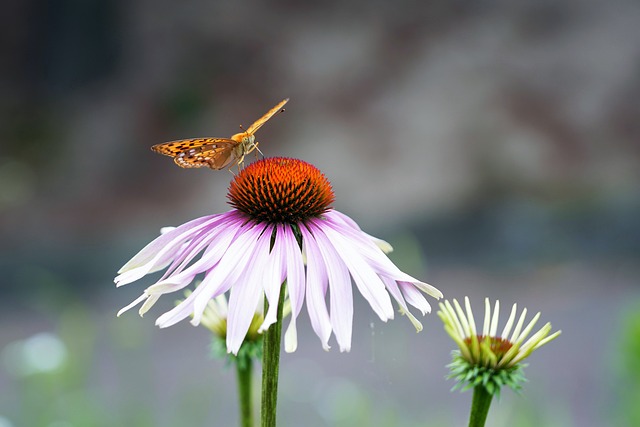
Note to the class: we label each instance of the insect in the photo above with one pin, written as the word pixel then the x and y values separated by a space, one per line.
pixel 217 153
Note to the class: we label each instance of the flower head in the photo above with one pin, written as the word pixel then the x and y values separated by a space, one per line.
pixel 214 318
pixel 281 217
pixel 486 358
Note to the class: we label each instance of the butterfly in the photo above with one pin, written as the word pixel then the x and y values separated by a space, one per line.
pixel 217 153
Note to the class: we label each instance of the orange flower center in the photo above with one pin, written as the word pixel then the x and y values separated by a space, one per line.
pixel 499 346
pixel 281 190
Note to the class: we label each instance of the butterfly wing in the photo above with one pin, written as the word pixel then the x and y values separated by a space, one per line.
pixel 215 153
pixel 262 120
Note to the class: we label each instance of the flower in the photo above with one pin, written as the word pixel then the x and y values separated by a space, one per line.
pixel 214 318
pixel 281 216
pixel 488 359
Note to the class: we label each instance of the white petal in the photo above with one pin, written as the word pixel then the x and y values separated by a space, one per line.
pixel 148 304
pixel 291 337
pixel 414 297
pixel 394 290
pixel 494 321
pixel 509 325
pixel 133 304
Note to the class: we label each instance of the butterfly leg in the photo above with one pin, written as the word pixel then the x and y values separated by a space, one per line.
pixel 239 163
pixel 258 151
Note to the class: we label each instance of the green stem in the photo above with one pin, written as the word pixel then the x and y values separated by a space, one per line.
pixel 270 366
pixel 479 406
pixel 245 373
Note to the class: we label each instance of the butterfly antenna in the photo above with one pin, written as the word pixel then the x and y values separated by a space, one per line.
pixel 282 110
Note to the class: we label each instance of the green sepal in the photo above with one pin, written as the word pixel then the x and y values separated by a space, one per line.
pixel 469 375
pixel 248 350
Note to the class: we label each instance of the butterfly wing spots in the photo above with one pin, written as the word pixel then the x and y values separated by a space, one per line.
pixel 189 163
pixel 198 152
pixel 216 155
pixel 262 120
pixel 174 148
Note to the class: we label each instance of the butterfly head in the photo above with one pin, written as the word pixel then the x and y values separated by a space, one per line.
pixel 245 139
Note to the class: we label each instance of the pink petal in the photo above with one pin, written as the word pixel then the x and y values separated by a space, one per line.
pixel 367 281
pixel 246 293
pixel 316 288
pixel 340 295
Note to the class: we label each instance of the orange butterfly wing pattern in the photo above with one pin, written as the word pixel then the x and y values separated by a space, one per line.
pixel 216 153
pixel 198 152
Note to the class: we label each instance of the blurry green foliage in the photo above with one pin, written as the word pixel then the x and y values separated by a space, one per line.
pixel 67 395
pixel 628 383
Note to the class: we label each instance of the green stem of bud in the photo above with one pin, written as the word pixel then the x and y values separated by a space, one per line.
pixel 479 406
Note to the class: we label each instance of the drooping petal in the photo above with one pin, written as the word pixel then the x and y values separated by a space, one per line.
pixel 340 217
pixel 148 304
pixel 295 283
pixel 376 258
pixel 168 286
pixel 367 281
pixel 218 279
pixel 227 272
pixel 316 287
pixel 215 237
pixel 159 253
pixel 414 297
pixel 394 290
pixel 179 312
pixel 272 279
pixel 246 293
pixel 340 294
pixel 135 302
pixel 220 245
pixel 291 337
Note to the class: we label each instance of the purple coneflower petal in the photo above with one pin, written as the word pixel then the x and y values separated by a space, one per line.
pixel 414 297
pixel 367 281
pixel 245 294
pixel 160 252
pixel 295 284
pixel 340 294
pixel 396 293
pixel 215 237
pixel 316 289
pixel 228 270
pixel 346 220
pixel 273 277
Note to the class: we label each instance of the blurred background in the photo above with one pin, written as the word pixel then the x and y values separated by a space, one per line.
pixel 495 144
